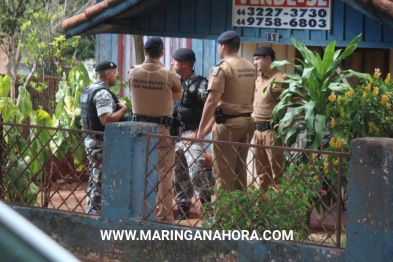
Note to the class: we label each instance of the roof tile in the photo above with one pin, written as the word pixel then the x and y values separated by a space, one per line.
pixel 90 12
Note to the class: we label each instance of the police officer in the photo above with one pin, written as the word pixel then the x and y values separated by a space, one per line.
pixel 99 107
pixel 231 92
pixel 153 89
pixel 189 111
pixel 269 162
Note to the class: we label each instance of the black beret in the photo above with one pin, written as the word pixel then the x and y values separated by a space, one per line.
pixel 227 36
pixel 184 55
pixel 264 51
pixel 154 41
pixel 104 65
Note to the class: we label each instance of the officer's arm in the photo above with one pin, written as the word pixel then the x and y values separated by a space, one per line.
pixel 115 116
pixel 177 96
pixel 208 111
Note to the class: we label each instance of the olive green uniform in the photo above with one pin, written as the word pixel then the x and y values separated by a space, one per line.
pixel 269 162
pixel 234 77
pixel 152 87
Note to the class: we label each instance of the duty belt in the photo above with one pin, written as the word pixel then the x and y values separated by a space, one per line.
pixel 234 116
pixel 166 120
pixel 263 127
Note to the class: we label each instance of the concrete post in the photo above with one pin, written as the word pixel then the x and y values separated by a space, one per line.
pixel 370 205
pixel 124 170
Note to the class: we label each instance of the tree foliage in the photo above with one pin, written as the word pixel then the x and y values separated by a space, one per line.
pixel 31 37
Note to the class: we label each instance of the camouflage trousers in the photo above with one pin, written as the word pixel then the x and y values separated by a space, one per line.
pixel 189 175
pixel 94 153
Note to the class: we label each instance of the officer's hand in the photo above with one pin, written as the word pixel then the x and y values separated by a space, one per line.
pixel 275 126
pixel 121 105
pixel 201 135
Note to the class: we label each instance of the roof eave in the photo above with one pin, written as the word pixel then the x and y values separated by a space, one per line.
pixel 100 18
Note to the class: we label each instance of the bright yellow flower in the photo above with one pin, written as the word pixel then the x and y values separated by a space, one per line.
pixel 384 99
pixel 364 95
pixel 375 91
pixel 338 98
pixel 326 167
pixel 368 87
pixel 388 106
pixel 338 144
pixel 333 122
pixel 313 156
pixel 324 156
pixel 332 142
pixel 316 179
pixel 387 80
pixel 332 97
pixel 377 73
pixel 342 113
pixel 335 162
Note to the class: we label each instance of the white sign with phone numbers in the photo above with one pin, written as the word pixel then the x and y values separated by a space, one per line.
pixel 280 14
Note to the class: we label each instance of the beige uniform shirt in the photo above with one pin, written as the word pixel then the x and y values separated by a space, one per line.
pixel 266 95
pixel 234 77
pixel 152 87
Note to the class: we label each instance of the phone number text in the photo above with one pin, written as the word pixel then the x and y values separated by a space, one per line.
pixel 302 18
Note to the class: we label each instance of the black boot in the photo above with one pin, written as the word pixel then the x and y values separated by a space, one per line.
pixel 183 212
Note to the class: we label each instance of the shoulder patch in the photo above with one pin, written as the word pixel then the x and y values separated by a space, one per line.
pixel 215 70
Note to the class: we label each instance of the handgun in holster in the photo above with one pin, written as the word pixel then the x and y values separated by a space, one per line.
pixel 177 125
pixel 219 116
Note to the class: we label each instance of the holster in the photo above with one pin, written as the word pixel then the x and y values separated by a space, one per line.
pixel 219 116
pixel 176 127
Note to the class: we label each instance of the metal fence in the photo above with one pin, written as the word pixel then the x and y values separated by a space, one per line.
pixel 43 166
pixel 48 167
pixel 309 199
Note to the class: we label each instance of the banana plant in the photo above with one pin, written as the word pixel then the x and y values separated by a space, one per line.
pixel 308 92
pixel 68 115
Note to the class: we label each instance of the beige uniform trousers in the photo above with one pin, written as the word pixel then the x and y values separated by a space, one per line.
pixel 166 160
pixel 269 162
pixel 229 161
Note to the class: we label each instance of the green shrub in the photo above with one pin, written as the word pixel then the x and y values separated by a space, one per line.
pixel 286 209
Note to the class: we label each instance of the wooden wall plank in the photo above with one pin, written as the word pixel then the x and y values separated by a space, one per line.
pixel 187 16
pixel 202 16
pixel 372 30
pixel 171 22
pixel 353 23
pixel 218 17
pixel 338 16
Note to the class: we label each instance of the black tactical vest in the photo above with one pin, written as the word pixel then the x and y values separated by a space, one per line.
pixel 189 108
pixel 90 119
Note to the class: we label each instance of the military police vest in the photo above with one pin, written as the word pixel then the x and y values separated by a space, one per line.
pixel 190 107
pixel 90 119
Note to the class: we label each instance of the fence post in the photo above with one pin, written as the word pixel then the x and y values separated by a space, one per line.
pixel 370 203
pixel 124 170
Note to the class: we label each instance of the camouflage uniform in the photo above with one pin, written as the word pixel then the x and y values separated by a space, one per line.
pixel 104 103
pixel 189 175
pixel 94 152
